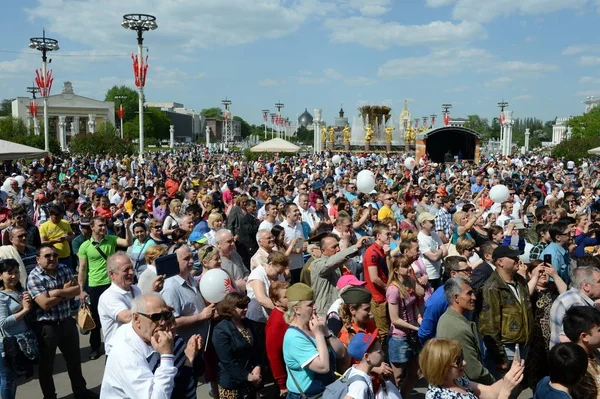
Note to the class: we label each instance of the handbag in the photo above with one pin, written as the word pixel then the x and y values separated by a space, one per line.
pixel 85 321
pixel 21 350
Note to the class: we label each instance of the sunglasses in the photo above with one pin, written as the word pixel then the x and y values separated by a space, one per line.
pixel 22 236
pixel 208 251
pixel 156 317
pixel 51 256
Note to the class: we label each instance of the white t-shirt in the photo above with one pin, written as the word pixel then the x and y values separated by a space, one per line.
pixel 430 243
pixel 296 260
pixel 360 388
pixel 264 225
pixel 255 311
pixel 112 302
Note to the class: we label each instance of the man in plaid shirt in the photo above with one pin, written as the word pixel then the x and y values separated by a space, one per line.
pixel 543 233
pixel 443 220
pixel 51 286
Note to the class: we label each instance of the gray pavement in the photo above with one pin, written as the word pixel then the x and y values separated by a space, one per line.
pixel 94 369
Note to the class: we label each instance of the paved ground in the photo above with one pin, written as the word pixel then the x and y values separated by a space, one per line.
pixel 93 371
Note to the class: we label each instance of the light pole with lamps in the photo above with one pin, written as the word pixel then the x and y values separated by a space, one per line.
pixel 121 112
pixel 33 107
pixel 44 82
pixel 279 105
pixel 140 23
pixel 265 113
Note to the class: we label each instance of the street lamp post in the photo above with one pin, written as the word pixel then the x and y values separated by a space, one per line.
pixel 140 23
pixel 265 113
pixel 273 116
pixel 33 107
pixel 121 112
pixel 44 82
pixel 279 105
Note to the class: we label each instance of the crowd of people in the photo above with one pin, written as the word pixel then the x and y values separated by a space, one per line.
pixel 331 292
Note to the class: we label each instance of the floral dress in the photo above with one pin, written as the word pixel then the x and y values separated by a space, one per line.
pixel 438 392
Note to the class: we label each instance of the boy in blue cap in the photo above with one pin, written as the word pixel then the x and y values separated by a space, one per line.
pixel 367 349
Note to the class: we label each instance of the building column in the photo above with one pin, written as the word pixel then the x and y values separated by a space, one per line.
pixel 317 131
pixel 527 134
pixel 62 132
pixel 569 132
pixel 172 136
pixel 75 126
pixel 507 144
pixel 92 123
pixel 207 133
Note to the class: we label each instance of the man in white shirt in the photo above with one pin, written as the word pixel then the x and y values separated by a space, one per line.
pixel 506 216
pixel 270 219
pixel 308 214
pixel 114 306
pixel 431 248
pixel 138 347
pixel 294 236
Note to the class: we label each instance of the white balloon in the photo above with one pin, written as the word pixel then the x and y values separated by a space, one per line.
pixel 215 285
pixel 336 159
pixel 365 181
pixel 499 193
pixel 20 179
pixel 409 163
pixel 491 171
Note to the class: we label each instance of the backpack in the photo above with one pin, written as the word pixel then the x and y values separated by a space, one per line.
pixel 339 388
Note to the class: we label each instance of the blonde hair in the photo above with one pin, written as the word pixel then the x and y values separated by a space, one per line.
pixel 154 252
pixel 290 315
pixel 407 235
pixel 173 204
pixel 213 217
pixel 457 216
pixel 437 358
pixel 464 243
pixel 394 278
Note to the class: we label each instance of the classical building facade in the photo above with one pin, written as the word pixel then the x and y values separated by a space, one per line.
pixel 68 113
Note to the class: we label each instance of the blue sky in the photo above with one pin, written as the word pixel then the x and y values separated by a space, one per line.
pixel 539 55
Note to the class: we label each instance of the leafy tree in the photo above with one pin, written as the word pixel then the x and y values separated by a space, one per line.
pixel 12 127
pixel 130 104
pixel 304 135
pixel 6 107
pixel 214 112
pixel 246 129
pixel 586 125
pixel 480 125
pixel 39 142
pixel 100 143
pixel 156 125
pixel 106 128
pixel 575 148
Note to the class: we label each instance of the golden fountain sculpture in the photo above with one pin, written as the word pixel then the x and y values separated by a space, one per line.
pixel 368 133
pixel 324 134
pixel 346 134
pixel 331 134
pixel 388 133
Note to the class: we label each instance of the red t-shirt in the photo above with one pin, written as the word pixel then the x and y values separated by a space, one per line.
pixel 374 256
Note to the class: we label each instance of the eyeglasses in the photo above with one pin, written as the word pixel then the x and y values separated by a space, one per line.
pixel 51 256
pixel 157 227
pixel 156 317
pixel 22 236
pixel 467 270
pixel 388 199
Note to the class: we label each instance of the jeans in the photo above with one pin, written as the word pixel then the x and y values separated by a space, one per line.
pixel 95 292
pixel 8 377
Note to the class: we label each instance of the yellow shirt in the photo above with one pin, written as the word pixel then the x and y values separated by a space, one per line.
pixel 385 212
pixel 129 206
pixel 52 231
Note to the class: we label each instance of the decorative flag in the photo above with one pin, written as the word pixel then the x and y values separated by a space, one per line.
pixel 227 114
pixel 121 112
pixel 502 118
pixel 272 119
pixel 416 123
pixel 433 121
pixel 33 108
pixel 44 83
pixel 446 118
pixel 265 116
pixel 140 69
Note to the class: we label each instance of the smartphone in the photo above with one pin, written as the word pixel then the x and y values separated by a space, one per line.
pixel 548 259
pixel 517 353
pixel 506 222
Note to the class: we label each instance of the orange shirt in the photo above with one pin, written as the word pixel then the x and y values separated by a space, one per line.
pixel 344 334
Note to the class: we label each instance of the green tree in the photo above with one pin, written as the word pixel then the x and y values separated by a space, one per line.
pixel 246 129
pixel 130 104
pixel 214 112
pixel 6 107
pixel 575 148
pixel 11 127
pixel 158 124
pixel 480 125
pixel 106 128
pixel 586 125
pixel 304 135
pixel 100 143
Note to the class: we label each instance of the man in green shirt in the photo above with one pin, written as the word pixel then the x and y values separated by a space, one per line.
pixel 92 265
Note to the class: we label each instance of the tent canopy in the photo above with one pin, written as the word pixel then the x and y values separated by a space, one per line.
pixel 276 145
pixel 12 151
pixel 594 151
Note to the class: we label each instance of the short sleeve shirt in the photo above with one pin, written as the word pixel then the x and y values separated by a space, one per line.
pixel 374 256
pixel 97 273
pixel 112 302
pixel 54 231
pixel 185 299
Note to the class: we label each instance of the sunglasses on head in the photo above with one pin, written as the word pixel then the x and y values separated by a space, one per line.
pixel 156 317
pixel 208 251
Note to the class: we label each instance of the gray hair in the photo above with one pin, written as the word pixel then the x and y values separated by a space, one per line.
pixel 139 304
pixel 303 196
pixel 112 263
pixel 583 274
pixel 259 233
pixel 220 235
pixel 453 287
pixel 13 230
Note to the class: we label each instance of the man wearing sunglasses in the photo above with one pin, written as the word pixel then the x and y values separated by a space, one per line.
pixel 139 347
pixel 506 319
pixel 52 285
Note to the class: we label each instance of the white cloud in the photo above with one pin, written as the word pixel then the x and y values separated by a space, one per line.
pixel 307 80
pixel 576 49
pixel 522 97
pixel 371 8
pixel 498 82
pixel 438 3
pixel 589 60
pixel 381 35
pixel 360 81
pixel 589 80
pixel 172 77
pixel 488 10
pixel 332 74
pixel 588 93
pixel 440 63
pixel 270 82
pixel 525 67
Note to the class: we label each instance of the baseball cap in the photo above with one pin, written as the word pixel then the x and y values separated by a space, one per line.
pixel 198 237
pixel 101 191
pixel 349 280
pixel 360 344
pixel 84 221
pixel 505 252
pixel 425 216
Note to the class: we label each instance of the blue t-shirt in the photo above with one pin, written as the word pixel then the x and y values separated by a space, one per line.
pixel 545 391
pixel 299 349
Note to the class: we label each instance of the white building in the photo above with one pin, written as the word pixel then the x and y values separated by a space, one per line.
pixel 79 114
pixel 186 122
pixel 559 130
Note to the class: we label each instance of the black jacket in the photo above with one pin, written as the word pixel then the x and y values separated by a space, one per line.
pixel 236 355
